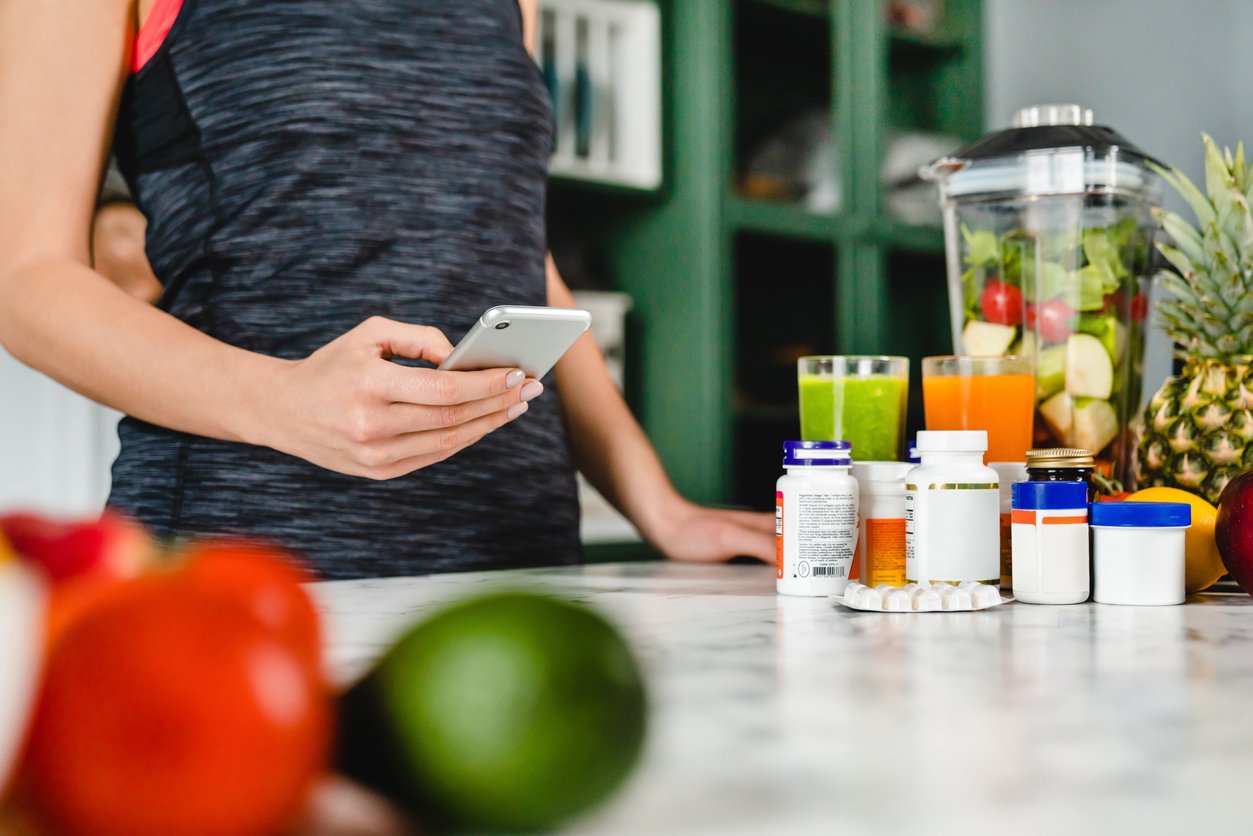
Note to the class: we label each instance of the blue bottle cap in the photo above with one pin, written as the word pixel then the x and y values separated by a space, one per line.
pixel 1049 496
pixel 1142 514
pixel 817 454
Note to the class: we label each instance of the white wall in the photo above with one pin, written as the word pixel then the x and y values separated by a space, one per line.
pixel 55 446
pixel 1159 71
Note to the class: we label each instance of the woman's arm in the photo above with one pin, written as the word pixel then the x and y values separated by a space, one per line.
pixel 612 451
pixel 345 407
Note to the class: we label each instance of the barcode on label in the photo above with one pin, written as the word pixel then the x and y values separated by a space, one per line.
pixel 828 571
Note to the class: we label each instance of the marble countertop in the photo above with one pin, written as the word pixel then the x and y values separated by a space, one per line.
pixel 796 715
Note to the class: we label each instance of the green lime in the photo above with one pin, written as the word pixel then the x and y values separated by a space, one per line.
pixel 511 711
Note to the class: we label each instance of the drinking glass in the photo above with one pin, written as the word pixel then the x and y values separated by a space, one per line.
pixel 996 394
pixel 859 399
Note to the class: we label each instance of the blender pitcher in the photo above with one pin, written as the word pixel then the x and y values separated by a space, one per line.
pixel 1047 231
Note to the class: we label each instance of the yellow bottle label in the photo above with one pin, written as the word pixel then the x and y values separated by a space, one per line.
pixel 884 560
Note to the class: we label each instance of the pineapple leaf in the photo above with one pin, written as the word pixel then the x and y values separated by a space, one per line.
pixel 1186 237
pixel 1188 190
pixel 1177 259
pixel 1238 168
pixel 1217 172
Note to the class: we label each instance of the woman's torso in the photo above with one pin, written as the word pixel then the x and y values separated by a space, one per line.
pixel 306 164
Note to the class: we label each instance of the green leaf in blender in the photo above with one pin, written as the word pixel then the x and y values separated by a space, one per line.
pixel 1050 371
pixel 1094 283
pixel 982 247
pixel 1103 253
pixel 1047 280
pixel 1089 371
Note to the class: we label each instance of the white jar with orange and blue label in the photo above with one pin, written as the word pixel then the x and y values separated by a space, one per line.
pixel 1049 529
pixel 815 519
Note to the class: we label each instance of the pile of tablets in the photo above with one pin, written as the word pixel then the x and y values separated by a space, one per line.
pixel 922 597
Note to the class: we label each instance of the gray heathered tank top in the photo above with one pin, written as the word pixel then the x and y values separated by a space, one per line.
pixel 305 164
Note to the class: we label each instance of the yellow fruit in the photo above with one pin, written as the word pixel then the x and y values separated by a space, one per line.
pixel 1204 565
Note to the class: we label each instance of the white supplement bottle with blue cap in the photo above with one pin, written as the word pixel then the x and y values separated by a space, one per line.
pixel 815 519
pixel 952 511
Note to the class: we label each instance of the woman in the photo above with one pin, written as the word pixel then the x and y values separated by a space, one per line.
pixel 317 177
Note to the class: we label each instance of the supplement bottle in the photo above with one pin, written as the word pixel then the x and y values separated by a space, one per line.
pixel 1062 464
pixel 881 535
pixel 1008 473
pixel 1050 535
pixel 815 519
pixel 952 510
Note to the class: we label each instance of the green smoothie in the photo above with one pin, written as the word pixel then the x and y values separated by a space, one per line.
pixel 867 411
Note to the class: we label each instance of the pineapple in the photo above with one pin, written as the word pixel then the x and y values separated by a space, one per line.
pixel 1197 431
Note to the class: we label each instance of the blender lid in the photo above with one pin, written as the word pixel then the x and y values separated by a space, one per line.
pixel 1042 131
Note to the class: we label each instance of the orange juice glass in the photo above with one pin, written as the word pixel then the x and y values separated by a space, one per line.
pixel 996 394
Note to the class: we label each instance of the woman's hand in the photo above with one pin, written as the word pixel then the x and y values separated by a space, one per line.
pixel 348 408
pixel 696 533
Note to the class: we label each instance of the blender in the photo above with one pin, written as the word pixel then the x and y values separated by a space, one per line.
pixel 1048 227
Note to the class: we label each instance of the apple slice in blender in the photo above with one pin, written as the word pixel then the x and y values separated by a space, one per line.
pixel 1058 413
pixel 987 339
pixel 1095 424
pixel 1089 372
pixel 1050 372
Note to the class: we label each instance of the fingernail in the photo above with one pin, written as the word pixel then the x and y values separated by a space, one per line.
pixel 532 390
pixel 516 410
pixel 514 378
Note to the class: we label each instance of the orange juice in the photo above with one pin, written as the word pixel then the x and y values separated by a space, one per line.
pixel 1002 404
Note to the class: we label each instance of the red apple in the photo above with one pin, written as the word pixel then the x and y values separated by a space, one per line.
pixel 1234 529
pixel 110 545
pixel 83 561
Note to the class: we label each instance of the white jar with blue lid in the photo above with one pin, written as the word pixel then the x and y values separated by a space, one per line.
pixel 1138 552
pixel 1049 531
pixel 815 518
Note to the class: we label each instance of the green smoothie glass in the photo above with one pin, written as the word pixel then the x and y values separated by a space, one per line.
pixel 860 399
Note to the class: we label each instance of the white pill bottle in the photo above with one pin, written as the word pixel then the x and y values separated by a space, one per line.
pixel 953 511
pixel 815 518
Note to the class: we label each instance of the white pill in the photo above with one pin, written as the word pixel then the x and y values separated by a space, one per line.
pixel 986 596
pixel 897 601
pixel 927 601
pixel 969 586
pixel 850 591
pixel 910 587
pixel 884 588
pixel 956 599
pixel 868 599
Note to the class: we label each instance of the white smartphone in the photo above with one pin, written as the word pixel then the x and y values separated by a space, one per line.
pixel 528 338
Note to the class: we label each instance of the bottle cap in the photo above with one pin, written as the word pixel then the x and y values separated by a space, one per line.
pixel 1049 496
pixel 1140 514
pixel 952 441
pixel 881 471
pixel 1060 457
pixel 817 453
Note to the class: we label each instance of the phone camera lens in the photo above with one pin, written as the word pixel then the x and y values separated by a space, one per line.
pixel 500 326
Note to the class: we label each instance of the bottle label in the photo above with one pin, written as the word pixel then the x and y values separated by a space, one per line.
pixel 818 533
pixel 953 533
pixel 884 553
pixel 778 534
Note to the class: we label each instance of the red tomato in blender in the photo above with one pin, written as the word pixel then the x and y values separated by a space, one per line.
pixel 1001 303
pixel 1055 319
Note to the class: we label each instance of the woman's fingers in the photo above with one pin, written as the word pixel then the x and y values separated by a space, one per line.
pixel 402 384
pixel 402 339
pixel 398 419
pixel 389 458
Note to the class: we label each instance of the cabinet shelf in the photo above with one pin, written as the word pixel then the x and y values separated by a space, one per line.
pixel 910 237
pixel 924 45
pixel 783 220
pixel 813 8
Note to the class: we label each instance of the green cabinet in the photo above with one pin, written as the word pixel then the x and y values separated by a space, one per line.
pixel 728 289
